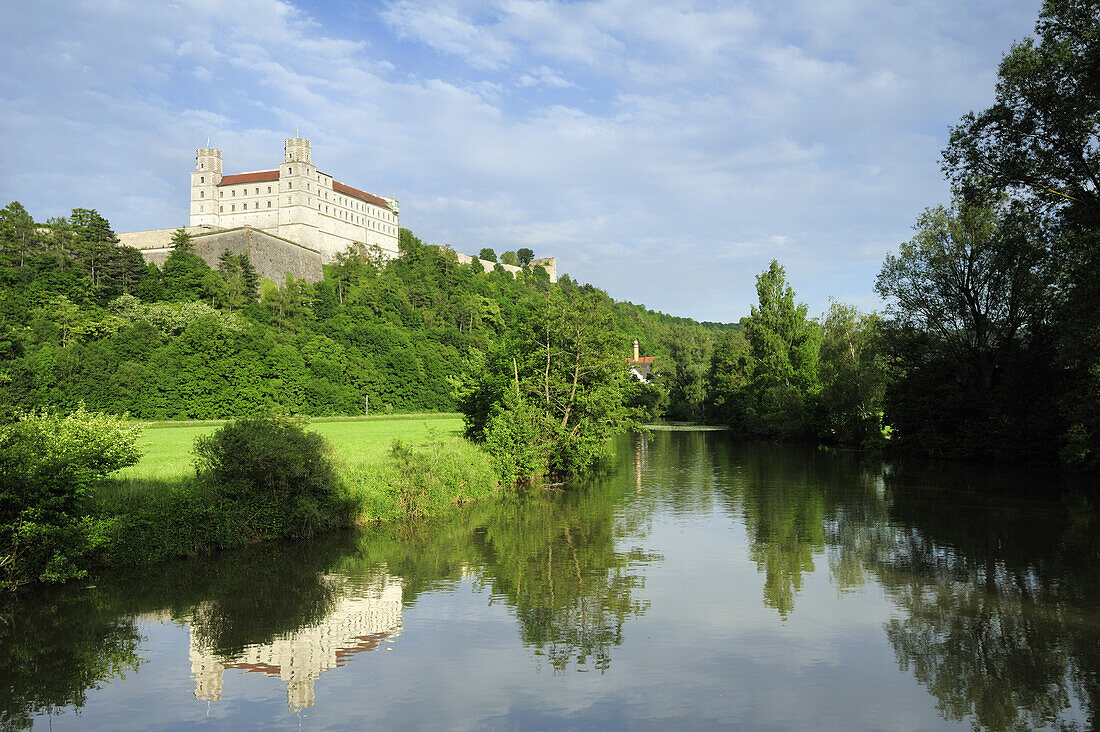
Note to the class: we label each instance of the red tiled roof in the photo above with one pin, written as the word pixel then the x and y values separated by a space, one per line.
pixel 250 177
pixel 643 359
pixel 265 175
pixel 361 195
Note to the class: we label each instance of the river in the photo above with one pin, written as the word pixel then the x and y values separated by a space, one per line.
pixel 699 583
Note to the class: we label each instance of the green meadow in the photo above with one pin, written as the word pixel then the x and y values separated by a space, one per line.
pixel 166 446
pixel 388 468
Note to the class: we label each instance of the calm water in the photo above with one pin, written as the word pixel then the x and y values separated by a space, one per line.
pixel 702 583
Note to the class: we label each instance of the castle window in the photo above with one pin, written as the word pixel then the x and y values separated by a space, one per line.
pixel 269 189
pixel 202 194
pixel 244 206
pixel 288 200
pixel 233 192
pixel 290 171
pixel 200 208
pixel 221 209
pixel 289 185
pixel 221 194
pixel 202 179
pixel 233 207
pixel 269 204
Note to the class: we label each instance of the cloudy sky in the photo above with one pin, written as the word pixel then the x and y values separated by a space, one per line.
pixel 664 151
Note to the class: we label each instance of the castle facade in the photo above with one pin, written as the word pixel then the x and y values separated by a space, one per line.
pixel 295 201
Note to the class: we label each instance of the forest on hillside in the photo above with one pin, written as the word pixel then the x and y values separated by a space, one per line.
pixel 85 320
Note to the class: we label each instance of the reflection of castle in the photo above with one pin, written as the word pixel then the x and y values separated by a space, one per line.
pixel 358 622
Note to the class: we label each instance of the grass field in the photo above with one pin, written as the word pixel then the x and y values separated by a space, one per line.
pixel 166 446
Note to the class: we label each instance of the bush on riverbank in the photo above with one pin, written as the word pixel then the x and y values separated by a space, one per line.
pixel 281 473
pixel 48 464
pixel 256 478
pixel 267 478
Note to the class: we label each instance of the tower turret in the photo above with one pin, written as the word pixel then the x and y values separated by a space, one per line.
pixel 297 150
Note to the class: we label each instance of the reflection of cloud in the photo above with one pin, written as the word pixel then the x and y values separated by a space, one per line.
pixel 359 622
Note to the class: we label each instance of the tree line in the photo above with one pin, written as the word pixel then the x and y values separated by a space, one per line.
pixel 84 320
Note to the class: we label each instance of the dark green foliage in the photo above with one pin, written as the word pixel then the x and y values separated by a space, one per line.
pixel 186 341
pixel 488 255
pixel 547 398
pixel 18 235
pixel 185 276
pixel 995 332
pixel 524 256
pixel 181 241
pixel 271 465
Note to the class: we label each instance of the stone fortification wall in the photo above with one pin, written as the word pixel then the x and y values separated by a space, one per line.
pixel 272 256
pixel 550 264
pixel 158 238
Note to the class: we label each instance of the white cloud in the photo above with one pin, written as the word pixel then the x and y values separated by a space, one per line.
pixel 543 76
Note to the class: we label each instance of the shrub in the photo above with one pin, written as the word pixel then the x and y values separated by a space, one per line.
pixel 280 472
pixel 48 463
pixel 422 481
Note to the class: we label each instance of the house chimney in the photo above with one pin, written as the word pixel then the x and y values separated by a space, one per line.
pixel 635 349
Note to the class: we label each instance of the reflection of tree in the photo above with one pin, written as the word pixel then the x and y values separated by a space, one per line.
pixel 55 645
pixel 782 499
pixel 994 658
pixel 555 562
pixel 998 591
pixel 551 556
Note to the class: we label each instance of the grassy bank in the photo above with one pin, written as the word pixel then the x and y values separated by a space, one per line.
pixel 386 469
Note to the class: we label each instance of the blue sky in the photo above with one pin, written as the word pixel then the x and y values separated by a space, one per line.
pixel 663 151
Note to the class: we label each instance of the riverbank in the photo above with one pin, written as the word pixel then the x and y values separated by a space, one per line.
pixel 386 469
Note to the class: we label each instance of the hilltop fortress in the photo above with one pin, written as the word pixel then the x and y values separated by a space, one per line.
pixel 293 218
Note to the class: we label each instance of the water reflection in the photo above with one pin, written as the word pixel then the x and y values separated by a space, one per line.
pixel 998 591
pixel 365 615
pixel 990 590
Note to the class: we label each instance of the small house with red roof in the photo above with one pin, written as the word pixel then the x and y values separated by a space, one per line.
pixel 640 366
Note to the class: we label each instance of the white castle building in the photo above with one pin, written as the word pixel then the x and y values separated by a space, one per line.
pixel 290 219
pixel 295 201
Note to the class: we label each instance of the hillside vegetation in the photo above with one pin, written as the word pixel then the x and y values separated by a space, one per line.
pixel 85 320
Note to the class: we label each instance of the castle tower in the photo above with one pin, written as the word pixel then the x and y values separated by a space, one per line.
pixel 299 194
pixel 204 186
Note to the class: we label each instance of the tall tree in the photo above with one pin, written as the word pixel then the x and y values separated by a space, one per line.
pixel 17 232
pixel 784 345
pixel 181 241
pixel 93 241
pixel 853 376
pixel 1040 142
pixel 962 296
